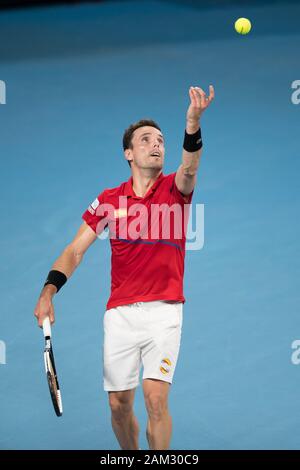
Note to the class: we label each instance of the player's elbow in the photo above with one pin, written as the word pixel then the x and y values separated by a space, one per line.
pixel 75 253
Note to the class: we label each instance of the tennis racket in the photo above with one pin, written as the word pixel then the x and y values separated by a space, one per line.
pixel 51 370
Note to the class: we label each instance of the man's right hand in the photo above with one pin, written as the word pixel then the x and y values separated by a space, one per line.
pixel 44 308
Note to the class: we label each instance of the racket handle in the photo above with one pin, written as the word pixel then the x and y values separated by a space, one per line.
pixel 47 327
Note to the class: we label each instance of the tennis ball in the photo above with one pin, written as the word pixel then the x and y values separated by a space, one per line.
pixel 242 26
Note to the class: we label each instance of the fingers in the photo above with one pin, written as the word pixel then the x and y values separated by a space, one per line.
pixel 199 98
pixel 194 97
pixel 40 320
pixel 38 317
pixel 211 93
pixel 43 310
pixel 51 316
pixel 202 96
pixel 42 317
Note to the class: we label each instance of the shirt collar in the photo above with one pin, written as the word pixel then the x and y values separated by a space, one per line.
pixel 128 190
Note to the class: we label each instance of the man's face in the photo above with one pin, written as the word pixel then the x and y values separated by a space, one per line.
pixel 148 149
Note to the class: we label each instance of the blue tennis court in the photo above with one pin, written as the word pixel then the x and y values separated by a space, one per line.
pixel 76 76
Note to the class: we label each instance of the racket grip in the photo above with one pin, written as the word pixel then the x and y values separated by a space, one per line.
pixel 47 327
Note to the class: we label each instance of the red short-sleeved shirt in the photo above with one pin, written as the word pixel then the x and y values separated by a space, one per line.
pixel 148 244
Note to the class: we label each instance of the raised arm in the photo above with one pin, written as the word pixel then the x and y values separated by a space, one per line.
pixel 186 175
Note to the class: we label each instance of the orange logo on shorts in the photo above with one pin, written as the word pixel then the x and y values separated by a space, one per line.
pixel 165 366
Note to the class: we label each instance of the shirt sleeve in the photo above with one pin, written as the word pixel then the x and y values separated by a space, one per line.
pixel 181 198
pixel 93 216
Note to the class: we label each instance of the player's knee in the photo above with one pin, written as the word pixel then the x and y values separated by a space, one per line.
pixel 120 406
pixel 157 406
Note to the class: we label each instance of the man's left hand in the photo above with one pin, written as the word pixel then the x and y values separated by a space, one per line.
pixel 199 102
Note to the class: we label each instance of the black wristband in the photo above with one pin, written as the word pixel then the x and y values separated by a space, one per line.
pixel 192 142
pixel 57 278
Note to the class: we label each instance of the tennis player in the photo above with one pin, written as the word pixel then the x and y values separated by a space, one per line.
pixel 143 317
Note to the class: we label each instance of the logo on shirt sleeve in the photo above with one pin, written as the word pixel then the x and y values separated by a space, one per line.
pixel 92 207
pixel 95 204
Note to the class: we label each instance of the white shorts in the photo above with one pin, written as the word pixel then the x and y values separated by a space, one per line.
pixel 143 333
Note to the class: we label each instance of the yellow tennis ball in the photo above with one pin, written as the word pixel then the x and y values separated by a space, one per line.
pixel 242 26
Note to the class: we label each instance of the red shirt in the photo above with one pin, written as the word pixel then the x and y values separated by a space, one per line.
pixel 148 248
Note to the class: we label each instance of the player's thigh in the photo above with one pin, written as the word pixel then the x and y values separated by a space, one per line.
pixel 156 393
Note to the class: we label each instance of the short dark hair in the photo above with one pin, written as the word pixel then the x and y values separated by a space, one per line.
pixel 127 137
